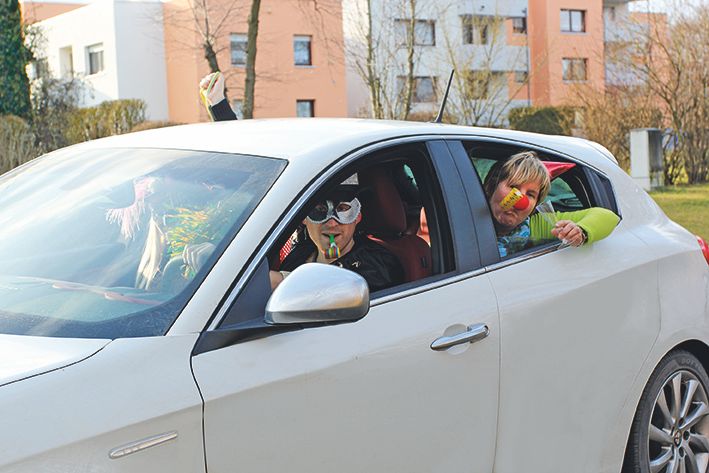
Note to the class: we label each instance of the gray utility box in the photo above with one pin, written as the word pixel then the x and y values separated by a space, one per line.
pixel 646 159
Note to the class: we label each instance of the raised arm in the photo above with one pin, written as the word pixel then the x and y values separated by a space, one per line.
pixel 218 105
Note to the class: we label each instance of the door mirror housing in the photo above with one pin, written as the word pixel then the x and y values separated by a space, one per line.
pixel 318 293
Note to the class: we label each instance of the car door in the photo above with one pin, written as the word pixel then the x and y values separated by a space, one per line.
pixel 577 324
pixel 371 395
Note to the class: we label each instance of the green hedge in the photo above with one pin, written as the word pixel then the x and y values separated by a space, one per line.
pixel 547 120
pixel 17 143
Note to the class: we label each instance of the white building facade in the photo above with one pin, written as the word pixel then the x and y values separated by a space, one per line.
pixel 115 47
pixel 466 35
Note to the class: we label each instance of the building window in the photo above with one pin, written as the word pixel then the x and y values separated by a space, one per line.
pixel 519 25
pixel 238 107
pixel 424 89
pixel 302 50
pixel 424 32
pixel 475 29
pixel 574 69
pixel 66 62
pixel 239 43
pixel 520 77
pixel 39 69
pixel 95 58
pixel 305 108
pixel 573 21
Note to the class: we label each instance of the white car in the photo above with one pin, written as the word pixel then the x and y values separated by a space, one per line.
pixel 117 355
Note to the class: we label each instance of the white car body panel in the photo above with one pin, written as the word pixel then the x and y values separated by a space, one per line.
pixel 23 357
pixel 554 391
pixel 69 419
pixel 367 396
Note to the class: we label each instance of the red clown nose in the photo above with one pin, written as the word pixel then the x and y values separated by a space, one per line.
pixel 522 203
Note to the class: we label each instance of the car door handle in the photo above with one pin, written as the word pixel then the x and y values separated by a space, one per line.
pixel 473 334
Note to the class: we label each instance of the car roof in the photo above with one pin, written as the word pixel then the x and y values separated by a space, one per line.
pixel 327 139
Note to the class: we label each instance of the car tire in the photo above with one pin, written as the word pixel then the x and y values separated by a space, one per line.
pixel 670 431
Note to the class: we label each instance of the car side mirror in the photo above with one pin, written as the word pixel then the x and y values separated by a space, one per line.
pixel 316 293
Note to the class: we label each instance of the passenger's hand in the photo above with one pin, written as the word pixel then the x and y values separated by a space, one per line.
pixel 195 255
pixel 276 278
pixel 215 95
pixel 569 232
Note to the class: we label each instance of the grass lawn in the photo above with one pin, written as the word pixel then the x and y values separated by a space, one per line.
pixel 686 205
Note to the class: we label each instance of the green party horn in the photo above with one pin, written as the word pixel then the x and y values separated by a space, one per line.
pixel 333 251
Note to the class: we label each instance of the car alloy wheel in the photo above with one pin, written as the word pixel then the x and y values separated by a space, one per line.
pixel 678 431
pixel 670 432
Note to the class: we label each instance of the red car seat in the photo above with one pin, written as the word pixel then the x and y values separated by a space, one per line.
pixel 384 221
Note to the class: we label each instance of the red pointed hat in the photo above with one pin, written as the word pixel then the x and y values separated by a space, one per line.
pixel 555 168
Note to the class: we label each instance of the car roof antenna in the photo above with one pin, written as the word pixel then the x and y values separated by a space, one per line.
pixel 439 118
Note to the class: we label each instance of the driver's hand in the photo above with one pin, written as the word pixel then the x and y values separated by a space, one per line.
pixel 276 277
pixel 195 255
pixel 216 95
pixel 568 231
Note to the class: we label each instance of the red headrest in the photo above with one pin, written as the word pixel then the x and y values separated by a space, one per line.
pixel 382 208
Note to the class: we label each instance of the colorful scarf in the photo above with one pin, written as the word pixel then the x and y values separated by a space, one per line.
pixel 514 241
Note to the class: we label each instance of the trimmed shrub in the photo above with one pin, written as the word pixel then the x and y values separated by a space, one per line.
pixel 108 118
pixel 16 142
pixel 150 125
pixel 547 120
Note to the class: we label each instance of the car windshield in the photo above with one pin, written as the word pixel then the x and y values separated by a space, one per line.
pixel 93 242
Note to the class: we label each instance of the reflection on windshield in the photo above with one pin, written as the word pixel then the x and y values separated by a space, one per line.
pixel 112 243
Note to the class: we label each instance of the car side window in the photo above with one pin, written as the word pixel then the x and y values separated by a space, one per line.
pixel 403 235
pixel 573 187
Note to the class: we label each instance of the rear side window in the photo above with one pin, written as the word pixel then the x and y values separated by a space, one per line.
pixel 578 188
pixel 573 189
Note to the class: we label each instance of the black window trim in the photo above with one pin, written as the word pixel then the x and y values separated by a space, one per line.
pixel 212 338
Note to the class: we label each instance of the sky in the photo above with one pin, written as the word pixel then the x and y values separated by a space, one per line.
pixel 663 6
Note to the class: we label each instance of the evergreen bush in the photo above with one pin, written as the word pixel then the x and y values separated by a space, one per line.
pixel 14 85
pixel 547 120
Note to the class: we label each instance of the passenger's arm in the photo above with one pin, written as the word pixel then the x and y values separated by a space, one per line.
pixel 221 111
pixel 596 222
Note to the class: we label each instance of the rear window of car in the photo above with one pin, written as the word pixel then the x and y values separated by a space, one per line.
pixel 93 239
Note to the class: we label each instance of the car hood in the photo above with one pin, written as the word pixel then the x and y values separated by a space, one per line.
pixel 24 356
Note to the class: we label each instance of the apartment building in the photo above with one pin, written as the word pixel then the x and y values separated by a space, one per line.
pixel 538 52
pixel 114 61
pixel 474 37
pixel 151 50
pixel 343 56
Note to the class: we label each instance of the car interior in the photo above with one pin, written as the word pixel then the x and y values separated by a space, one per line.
pixel 400 210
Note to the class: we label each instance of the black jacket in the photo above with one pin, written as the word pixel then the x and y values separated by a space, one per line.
pixel 377 265
pixel 222 111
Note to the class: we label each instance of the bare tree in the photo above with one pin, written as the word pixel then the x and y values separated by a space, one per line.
pixel 607 116
pixel 388 52
pixel 209 21
pixel 671 63
pixel 380 33
pixel 250 82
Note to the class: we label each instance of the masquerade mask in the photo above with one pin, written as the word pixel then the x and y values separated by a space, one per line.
pixel 343 212
pixel 515 199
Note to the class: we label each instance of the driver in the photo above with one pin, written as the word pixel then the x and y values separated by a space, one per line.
pixel 333 239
